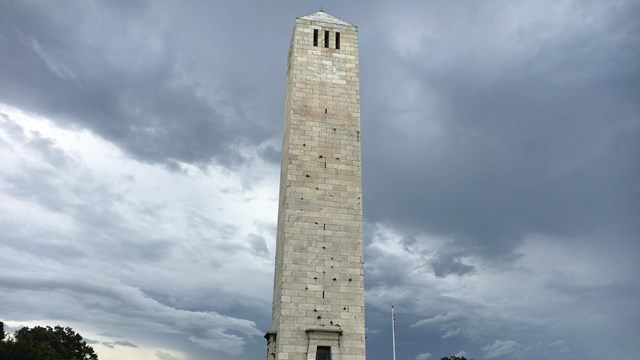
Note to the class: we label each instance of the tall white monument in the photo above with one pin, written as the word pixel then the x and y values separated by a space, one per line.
pixel 318 297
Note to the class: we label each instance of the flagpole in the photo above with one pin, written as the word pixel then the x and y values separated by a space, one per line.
pixel 393 331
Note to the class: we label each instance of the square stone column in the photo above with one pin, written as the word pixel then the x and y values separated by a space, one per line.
pixel 318 298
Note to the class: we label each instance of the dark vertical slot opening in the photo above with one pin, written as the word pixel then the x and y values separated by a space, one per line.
pixel 326 39
pixel 325 111
pixel 323 353
pixel 337 40
pixel 315 37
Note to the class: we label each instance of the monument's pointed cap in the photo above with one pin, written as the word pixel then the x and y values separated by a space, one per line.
pixel 325 17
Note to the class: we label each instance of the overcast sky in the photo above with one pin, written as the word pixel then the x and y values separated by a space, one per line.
pixel 139 167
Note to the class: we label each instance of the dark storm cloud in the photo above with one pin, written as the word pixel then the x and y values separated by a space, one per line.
pixel 122 71
pixel 450 266
pixel 444 263
pixel 513 129
pixel 528 130
pixel 482 123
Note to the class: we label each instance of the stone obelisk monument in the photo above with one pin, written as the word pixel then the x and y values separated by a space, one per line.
pixel 318 297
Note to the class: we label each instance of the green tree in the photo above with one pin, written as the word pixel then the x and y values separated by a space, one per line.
pixel 44 343
pixel 454 358
pixel 2 342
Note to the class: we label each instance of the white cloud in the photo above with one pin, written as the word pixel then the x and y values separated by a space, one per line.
pixel 163 355
pixel 451 333
pixel 545 284
pixel 557 343
pixel 423 356
pixel 439 319
pixel 499 348
pixel 116 245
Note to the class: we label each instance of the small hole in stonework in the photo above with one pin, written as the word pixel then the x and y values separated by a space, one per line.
pixel 315 310
pixel 349 280
pixel 344 308
pixel 316 223
pixel 332 266
pixel 337 158
pixel 319 317
pixel 331 258
pixel 317 188
pixel 320 157
pixel 334 279
pixel 307 175
pixel 323 272
pixel 304 144
pixel 331 322
pixel 301 198
pixel 306 288
pixel 315 278
pixel 325 111
pixel 334 129
pixel 324 247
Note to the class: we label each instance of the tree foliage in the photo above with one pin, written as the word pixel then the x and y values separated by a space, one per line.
pixel 44 343
pixel 454 358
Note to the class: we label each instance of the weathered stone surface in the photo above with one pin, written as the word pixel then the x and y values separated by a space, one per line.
pixel 318 295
